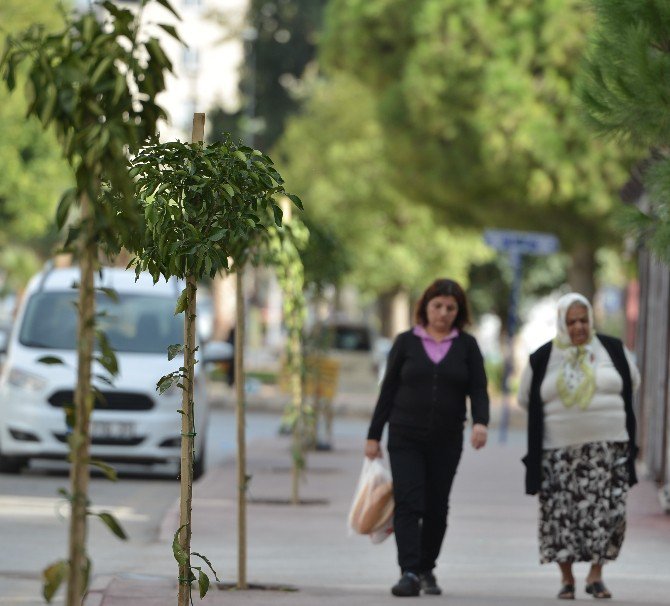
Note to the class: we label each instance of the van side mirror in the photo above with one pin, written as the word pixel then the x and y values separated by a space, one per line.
pixel 217 351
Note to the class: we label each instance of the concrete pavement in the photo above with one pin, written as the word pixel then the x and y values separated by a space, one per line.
pixel 302 555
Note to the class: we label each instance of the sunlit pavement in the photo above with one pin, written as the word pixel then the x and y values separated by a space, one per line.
pixel 489 555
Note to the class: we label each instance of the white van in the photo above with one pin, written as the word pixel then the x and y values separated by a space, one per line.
pixel 132 422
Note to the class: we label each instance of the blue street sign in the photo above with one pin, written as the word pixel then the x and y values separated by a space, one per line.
pixel 521 242
pixel 515 244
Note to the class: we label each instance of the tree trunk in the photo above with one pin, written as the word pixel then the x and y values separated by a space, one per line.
pixel 241 442
pixel 394 312
pixel 187 443
pixel 581 273
pixel 295 364
pixel 83 402
pixel 187 416
pixel 223 313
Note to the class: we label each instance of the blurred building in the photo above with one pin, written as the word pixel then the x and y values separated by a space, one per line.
pixel 206 66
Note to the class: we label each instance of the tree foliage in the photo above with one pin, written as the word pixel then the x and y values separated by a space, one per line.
pixel 626 94
pixel 202 205
pixel 95 84
pixel 477 103
pixel 338 158
pixel 34 172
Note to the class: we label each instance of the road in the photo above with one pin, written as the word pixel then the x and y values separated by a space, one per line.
pixel 34 531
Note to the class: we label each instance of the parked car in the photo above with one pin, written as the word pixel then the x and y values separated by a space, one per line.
pixel 131 422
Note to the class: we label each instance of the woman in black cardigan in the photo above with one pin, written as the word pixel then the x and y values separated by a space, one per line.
pixel 431 370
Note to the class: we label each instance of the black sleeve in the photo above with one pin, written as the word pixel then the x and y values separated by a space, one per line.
pixel 388 390
pixel 477 390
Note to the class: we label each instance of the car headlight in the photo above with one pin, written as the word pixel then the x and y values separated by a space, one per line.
pixel 25 380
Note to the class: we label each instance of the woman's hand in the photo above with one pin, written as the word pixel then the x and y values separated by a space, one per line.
pixel 373 449
pixel 479 435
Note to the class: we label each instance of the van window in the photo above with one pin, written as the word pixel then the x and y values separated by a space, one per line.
pixel 136 323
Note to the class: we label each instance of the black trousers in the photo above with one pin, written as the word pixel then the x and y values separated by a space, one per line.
pixel 423 469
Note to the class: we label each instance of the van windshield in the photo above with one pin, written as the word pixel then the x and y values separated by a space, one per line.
pixel 134 323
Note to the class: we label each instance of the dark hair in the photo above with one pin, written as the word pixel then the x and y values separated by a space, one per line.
pixel 443 287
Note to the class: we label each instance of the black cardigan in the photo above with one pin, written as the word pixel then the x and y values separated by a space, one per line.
pixel 538 362
pixel 419 394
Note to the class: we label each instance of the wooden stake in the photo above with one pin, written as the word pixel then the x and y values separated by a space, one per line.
pixel 188 415
pixel 241 438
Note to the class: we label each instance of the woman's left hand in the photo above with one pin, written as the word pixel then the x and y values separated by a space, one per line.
pixel 479 435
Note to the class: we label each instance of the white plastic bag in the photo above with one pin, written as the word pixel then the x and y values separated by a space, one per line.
pixel 371 511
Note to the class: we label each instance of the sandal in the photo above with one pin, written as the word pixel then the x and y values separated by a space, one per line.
pixel 567 592
pixel 598 590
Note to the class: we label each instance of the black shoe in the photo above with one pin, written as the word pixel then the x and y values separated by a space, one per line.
pixel 429 583
pixel 407 587
pixel 598 590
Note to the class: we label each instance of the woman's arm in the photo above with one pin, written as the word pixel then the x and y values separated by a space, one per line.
pixel 388 390
pixel 478 387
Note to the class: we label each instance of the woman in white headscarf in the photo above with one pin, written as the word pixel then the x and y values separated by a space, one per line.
pixel 581 444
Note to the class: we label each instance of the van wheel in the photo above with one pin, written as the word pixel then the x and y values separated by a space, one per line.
pixel 12 465
pixel 199 464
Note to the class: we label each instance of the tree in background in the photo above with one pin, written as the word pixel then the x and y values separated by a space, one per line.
pixel 336 157
pixel 35 175
pixel 626 93
pixel 476 104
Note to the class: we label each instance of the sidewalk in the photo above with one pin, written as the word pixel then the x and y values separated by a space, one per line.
pixel 489 555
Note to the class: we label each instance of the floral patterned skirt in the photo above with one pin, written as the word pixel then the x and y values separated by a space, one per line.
pixel 583 502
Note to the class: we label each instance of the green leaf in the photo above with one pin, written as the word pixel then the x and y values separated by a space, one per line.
pixel 51 360
pixel 297 201
pixel 109 471
pixel 215 237
pixel 171 30
pixel 53 577
pixel 179 554
pixel 49 105
pixel 107 357
pixel 64 206
pixel 278 215
pixel 104 379
pixel 182 303
pixel 204 559
pixel 101 68
pixel 164 383
pixel 174 350
pixel 110 292
pixel 111 522
pixel 229 190
pixel 168 6
pixel 203 584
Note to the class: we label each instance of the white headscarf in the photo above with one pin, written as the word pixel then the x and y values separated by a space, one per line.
pixel 576 382
pixel 564 303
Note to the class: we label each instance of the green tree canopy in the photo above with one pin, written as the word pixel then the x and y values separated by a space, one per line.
pixel 476 101
pixel 34 172
pixel 626 93
pixel 337 159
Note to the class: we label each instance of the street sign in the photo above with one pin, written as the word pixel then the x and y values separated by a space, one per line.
pixel 516 244
pixel 521 242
